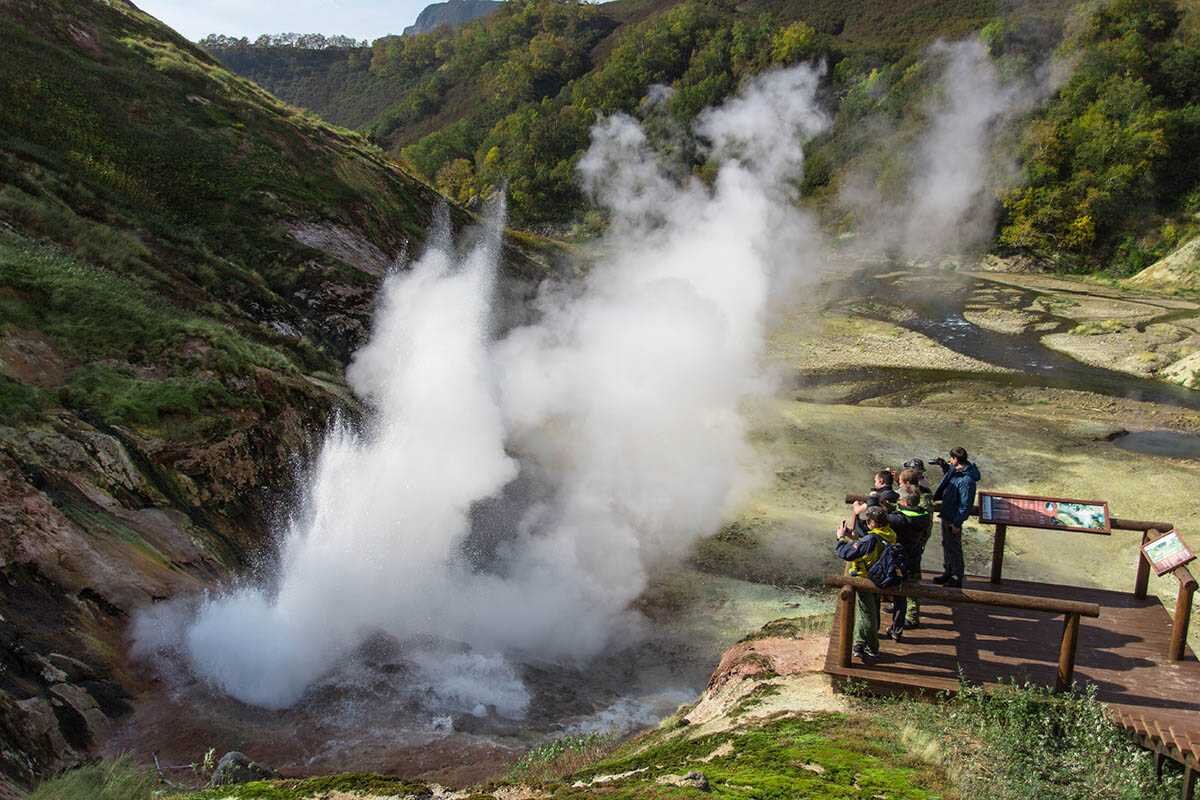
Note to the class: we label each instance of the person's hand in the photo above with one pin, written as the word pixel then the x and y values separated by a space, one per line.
pixel 859 507
pixel 956 530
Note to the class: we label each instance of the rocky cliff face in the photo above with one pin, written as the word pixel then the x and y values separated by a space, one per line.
pixel 452 14
pixel 185 266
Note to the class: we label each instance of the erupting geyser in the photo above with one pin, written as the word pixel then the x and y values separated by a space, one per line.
pixel 617 415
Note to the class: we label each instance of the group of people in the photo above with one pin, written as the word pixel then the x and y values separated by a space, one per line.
pixel 899 510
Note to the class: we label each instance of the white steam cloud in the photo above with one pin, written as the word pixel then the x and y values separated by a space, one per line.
pixel 959 163
pixel 515 495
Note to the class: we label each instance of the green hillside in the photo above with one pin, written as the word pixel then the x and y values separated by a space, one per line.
pixel 185 265
pixel 1109 161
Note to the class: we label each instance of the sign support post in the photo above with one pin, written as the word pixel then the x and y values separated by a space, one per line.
pixel 998 552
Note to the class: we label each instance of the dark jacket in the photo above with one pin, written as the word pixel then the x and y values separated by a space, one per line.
pixel 887 496
pixel 957 493
pixel 912 530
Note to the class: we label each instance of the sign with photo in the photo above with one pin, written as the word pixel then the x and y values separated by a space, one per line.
pixel 1052 513
pixel 1167 552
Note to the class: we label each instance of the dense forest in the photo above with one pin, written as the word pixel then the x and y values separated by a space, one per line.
pixel 1110 172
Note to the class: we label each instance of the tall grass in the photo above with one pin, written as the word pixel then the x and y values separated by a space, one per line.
pixel 105 780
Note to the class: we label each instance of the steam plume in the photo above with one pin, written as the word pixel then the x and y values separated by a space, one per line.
pixel 515 495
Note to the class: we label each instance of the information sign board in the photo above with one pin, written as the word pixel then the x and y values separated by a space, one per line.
pixel 1167 552
pixel 1052 513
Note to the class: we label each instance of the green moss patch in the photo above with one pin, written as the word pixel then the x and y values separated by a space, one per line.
pixel 825 756
pixel 364 784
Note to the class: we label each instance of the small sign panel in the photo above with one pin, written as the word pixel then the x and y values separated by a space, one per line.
pixel 1167 552
pixel 1053 513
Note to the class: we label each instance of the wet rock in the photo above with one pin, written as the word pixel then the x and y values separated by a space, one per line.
pixel 94 725
pixel 235 767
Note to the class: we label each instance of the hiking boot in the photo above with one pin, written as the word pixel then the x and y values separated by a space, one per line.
pixel 915 622
pixel 941 579
pixel 954 583
pixel 895 634
pixel 864 653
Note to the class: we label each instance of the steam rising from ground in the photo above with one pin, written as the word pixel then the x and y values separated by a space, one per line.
pixel 514 495
pixel 959 162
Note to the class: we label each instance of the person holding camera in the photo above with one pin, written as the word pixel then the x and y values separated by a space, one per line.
pixel 862 552
pixel 957 493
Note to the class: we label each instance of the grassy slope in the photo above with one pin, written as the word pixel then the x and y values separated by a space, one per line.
pixel 168 349
pixel 146 195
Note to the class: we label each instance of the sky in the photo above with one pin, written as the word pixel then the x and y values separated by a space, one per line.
pixel 362 19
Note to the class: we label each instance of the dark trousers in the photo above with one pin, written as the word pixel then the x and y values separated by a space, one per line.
pixel 907 610
pixel 953 563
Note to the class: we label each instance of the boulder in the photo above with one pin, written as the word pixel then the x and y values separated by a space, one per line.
pixel 235 767
pixel 73 668
pixel 42 734
pixel 95 725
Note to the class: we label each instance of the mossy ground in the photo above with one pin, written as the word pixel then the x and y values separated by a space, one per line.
pixel 351 784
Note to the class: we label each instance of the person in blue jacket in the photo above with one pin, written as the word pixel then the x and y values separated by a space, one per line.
pixel 957 493
pixel 861 552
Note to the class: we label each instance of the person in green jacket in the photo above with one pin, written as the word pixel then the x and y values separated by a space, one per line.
pixel 912 481
pixel 861 552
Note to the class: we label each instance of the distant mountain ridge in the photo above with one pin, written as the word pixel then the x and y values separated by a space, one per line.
pixel 452 13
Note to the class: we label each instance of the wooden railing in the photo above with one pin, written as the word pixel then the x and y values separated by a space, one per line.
pixel 1180 621
pixel 1070 609
pixel 1183 601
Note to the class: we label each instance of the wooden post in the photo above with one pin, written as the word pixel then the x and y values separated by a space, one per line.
pixel 1143 570
pixel 1066 653
pixel 1160 761
pixel 1183 616
pixel 846 629
pixel 998 552
pixel 1189 784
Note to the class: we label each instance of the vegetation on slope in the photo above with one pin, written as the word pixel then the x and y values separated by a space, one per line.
pixel 1011 743
pixel 1113 163
pixel 1110 171
pixel 185 265
pixel 511 98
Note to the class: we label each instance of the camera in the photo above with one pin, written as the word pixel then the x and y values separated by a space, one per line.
pixel 941 462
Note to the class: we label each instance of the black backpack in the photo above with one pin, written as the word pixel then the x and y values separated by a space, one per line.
pixel 891 569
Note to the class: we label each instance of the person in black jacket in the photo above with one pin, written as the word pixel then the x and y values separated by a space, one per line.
pixel 957 493
pixel 910 521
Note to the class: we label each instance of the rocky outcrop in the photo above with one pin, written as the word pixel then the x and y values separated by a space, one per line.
pixel 234 768
pixel 453 13
pixel 1179 270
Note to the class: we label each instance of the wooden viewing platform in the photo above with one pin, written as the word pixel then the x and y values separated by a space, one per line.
pixel 998 630
pixel 1123 652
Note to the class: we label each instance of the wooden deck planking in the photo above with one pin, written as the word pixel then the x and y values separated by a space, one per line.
pixel 1123 653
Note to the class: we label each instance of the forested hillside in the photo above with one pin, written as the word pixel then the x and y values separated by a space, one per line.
pixel 1109 160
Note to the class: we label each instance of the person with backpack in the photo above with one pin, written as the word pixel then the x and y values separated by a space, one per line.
pixel 957 493
pixel 868 556
pixel 912 523
pixel 912 481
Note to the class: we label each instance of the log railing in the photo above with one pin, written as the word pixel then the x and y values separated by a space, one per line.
pixel 1180 621
pixel 1183 601
pixel 1071 610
